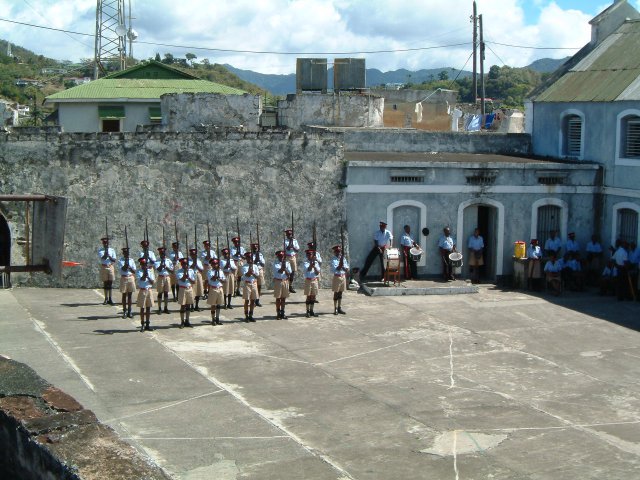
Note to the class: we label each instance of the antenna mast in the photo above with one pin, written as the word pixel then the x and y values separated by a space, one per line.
pixel 111 31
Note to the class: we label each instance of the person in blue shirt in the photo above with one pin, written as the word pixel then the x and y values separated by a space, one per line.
pixel 144 280
pixel 107 257
pixel 215 281
pixel 446 246
pixel 382 239
pixel 339 270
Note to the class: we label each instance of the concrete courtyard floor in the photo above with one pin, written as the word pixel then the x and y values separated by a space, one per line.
pixel 493 385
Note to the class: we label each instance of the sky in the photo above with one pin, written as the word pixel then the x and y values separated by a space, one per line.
pixel 389 34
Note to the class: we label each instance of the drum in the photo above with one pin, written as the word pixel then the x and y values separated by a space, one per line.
pixel 415 253
pixel 392 259
pixel 456 259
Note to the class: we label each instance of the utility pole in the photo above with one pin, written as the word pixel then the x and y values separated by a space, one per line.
pixel 481 69
pixel 474 20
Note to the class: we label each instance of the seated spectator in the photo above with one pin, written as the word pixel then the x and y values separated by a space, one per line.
pixel 572 245
pixel 553 244
pixel 593 260
pixel 553 273
pixel 608 279
pixel 575 280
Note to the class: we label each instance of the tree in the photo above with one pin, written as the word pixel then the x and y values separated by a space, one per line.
pixel 443 75
pixel 190 58
pixel 158 59
pixel 168 59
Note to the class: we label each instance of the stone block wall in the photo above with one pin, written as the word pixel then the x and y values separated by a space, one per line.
pixel 215 176
pixel 187 112
pixel 337 109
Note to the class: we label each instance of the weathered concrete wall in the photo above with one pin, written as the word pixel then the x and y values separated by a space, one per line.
pixel 46 434
pixel 408 140
pixel 185 112
pixel 188 178
pixel 400 109
pixel 341 110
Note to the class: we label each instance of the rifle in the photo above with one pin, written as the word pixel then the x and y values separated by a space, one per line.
pixel 175 228
pixel 341 264
pixel 209 240
pixel 163 239
pixel 146 238
pixel 126 244
pixel 218 253
pixel 239 240
pixel 106 232
pixel 258 240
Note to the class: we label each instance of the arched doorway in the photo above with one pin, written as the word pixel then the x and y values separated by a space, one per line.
pixel 488 217
pixel 5 251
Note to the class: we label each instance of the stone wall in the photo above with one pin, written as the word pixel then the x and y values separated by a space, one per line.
pixel 46 434
pixel 409 140
pixel 337 109
pixel 165 177
pixel 187 112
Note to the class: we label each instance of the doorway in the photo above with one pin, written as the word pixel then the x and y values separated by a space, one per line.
pixel 5 251
pixel 485 218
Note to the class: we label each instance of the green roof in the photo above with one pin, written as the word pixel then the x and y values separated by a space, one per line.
pixel 152 69
pixel 134 89
pixel 609 72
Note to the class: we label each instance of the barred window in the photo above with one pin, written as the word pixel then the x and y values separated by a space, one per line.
pixel 632 138
pixel 406 179
pixel 627 225
pixel 573 136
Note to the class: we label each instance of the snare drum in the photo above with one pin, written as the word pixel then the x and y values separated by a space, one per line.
pixel 456 259
pixel 392 259
pixel 415 253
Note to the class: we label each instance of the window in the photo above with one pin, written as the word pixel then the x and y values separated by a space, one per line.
pixel 548 219
pixel 632 138
pixel 573 136
pixel 110 116
pixel 627 225
pixel 155 115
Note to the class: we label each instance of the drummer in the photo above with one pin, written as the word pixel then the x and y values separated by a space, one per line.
pixel 382 240
pixel 410 264
pixel 446 245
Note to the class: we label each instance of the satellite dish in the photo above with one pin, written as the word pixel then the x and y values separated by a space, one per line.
pixel 121 30
pixel 132 34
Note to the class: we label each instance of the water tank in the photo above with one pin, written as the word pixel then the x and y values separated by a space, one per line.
pixel 349 74
pixel 311 74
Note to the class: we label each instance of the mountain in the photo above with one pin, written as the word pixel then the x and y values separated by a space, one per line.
pixel 547 65
pixel 285 84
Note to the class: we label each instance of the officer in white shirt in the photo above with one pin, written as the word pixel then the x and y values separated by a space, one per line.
pixel 475 244
pixel 339 270
pixel 621 259
pixel 382 239
pixel 291 249
pixel 553 244
pixel 127 269
pixel 164 267
pixel 446 246
pixel 407 243
pixel 572 245
pixel 107 257
pixel 144 280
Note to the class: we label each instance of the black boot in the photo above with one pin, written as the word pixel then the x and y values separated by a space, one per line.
pixel 283 316
pixel 308 310
pixel 218 322
pixel 313 314
pixel 229 302
pixel 142 326
pixel 147 327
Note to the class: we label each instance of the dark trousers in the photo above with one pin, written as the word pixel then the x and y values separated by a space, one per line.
pixel 447 267
pixel 375 252
pixel 410 265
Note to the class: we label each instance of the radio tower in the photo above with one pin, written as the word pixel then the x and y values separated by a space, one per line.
pixel 111 31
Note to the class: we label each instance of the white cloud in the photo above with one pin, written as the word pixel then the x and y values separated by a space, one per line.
pixel 307 26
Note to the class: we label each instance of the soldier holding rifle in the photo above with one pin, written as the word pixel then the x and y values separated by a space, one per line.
pixel 238 255
pixel 127 268
pixel 258 261
pixel 215 280
pixel 339 270
pixel 311 274
pixel 145 279
pixel 164 267
pixel 281 274
pixel 196 265
pixel 206 255
pixel 291 249
pixel 229 269
pixel 107 257
pixel 186 278
pixel 249 287
pixel 175 256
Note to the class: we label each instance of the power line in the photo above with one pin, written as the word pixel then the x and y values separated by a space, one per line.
pixel 533 48
pixel 271 52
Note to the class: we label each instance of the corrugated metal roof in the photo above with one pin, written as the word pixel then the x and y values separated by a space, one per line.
pixel 608 73
pixel 123 88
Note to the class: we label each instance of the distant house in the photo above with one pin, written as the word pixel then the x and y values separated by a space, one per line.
pixel 123 100
pixel 25 82
pixel 590 113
